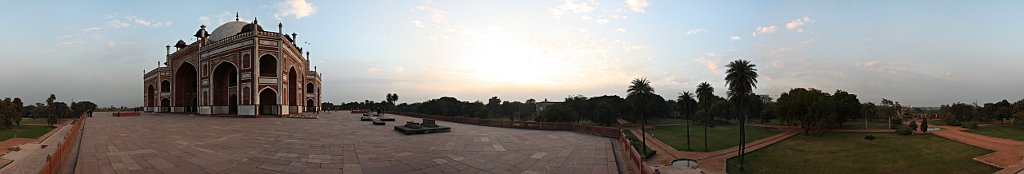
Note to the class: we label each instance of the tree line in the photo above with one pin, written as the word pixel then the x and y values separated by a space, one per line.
pixel 959 113
pixel 13 110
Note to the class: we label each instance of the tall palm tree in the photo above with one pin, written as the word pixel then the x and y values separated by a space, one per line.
pixel 640 89
pixel 704 93
pixel 687 106
pixel 741 78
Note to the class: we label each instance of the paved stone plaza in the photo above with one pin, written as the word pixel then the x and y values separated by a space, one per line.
pixel 336 143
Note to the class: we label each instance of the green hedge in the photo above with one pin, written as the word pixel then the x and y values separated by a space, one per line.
pixel 638 144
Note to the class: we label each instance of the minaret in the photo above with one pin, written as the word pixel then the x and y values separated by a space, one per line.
pixel 236 16
pixel 295 38
pixel 168 49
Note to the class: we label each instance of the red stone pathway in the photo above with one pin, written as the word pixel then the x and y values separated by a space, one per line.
pixel 1008 153
pixel 708 162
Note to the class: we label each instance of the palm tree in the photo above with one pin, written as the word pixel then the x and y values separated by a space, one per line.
pixel 741 78
pixel 704 93
pixel 640 90
pixel 687 108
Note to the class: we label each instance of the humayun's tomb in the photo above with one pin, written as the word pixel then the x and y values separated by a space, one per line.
pixel 239 69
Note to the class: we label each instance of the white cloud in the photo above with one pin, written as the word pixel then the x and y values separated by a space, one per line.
pixel 116 23
pixel 620 30
pixel 297 8
pixel 798 23
pixel 637 5
pixel 418 24
pixel 572 7
pixel 372 69
pixel 765 30
pixel 437 16
pixel 734 38
pixel 147 23
pixel 696 31
pixel 217 19
pixel 90 29
pixel 400 69
pixel 603 21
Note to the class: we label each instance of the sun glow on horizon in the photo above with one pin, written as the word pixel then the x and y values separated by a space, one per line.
pixel 498 57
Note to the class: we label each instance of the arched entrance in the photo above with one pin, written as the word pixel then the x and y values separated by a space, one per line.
pixel 165 86
pixel 268 66
pixel 225 89
pixel 310 105
pixel 293 97
pixel 165 105
pixel 185 89
pixel 268 102
pixel 150 97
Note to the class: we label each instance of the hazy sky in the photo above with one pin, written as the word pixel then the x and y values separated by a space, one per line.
pixel 921 52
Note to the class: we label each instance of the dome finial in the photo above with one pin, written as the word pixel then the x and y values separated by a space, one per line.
pixel 236 16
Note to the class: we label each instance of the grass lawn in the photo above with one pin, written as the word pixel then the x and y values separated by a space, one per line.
pixel 1013 132
pixel 664 121
pixel 37 121
pixel 937 123
pixel 853 124
pixel 719 137
pixel 24 132
pixel 851 153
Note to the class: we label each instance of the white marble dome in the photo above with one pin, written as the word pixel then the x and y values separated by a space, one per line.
pixel 227 30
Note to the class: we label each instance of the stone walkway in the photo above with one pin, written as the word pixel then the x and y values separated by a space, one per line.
pixel 707 162
pixel 1009 154
pixel 32 156
pixel 336 143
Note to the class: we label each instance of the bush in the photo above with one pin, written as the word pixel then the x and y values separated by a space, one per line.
pixel 638 145
pixel 896 122
pixel 904 130
pixel 869 137
pixel 970 125
pixel 913 125
pixel 924 125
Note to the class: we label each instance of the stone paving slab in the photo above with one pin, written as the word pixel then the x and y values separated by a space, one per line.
pixel 336 143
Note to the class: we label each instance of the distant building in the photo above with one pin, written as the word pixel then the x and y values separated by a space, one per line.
pixel 239 69
pixel 544 104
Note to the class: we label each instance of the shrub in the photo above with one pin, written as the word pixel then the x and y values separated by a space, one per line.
pixel 638 145
pixel 913 125
pixel 896 122
pixel 970 125
pixel 904 130
pixel 869 137
pixel 924 125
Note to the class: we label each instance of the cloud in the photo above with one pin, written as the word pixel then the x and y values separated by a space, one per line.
pixel 734 38
pixel 621 30
pixel 297 8
pixel 91 29
pixel 116 21
pixel 217 19
pixel 637 5
pixel 372 69
pixel 437 16
pixel 147 23
pixel 798 23
pixel 572 7
pixel 418 24
pixel 712 61
pixel 118 24
pixel 696 31
pixel 868 63
pixel 765 30
pixel 602 21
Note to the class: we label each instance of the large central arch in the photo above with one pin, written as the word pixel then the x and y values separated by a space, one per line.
pixel 185 89
pixel 225 85
pixel 293 97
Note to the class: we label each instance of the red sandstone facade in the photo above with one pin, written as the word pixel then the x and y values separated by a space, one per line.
pixel 239 69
